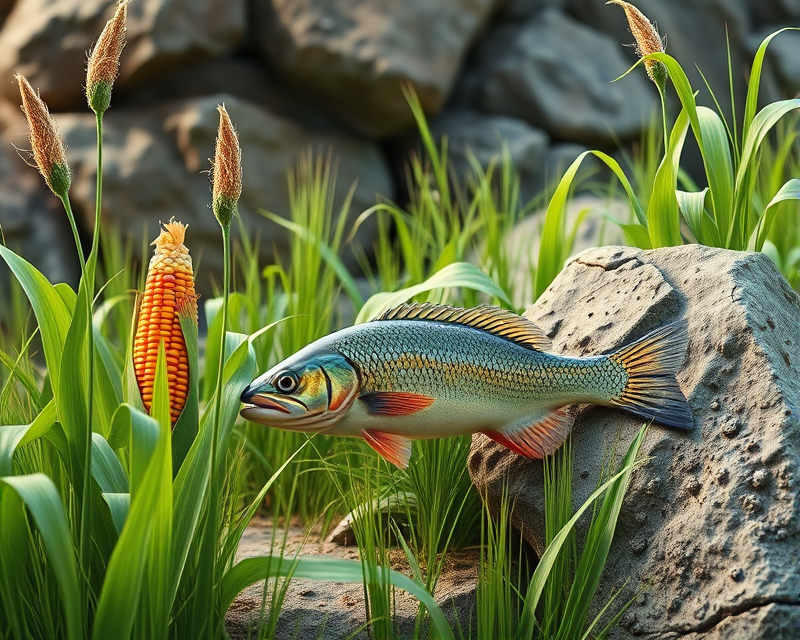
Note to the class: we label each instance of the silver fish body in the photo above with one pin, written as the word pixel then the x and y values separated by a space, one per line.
pixel 429 371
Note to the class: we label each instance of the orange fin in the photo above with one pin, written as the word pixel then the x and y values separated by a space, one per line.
pixel 395 403
pixel 396 449
pixel 652 392
pixel 498 322
pixel 539 439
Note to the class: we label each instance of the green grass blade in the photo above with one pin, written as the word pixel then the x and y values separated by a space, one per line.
pixel 789 191
pixel 692 205
pixel 743 223
pixel 108 384
pixel 157 602
pixel 598 542
pixel 118 505
pixel 718 166
pixel 663 217
pixel 15 436
pixel 549 557
pixel 106 467
pixel 151 482
pixel 322 569
pixel 52 314
pixel 458 274
pixel 188 423
pixel 754 83
pixel 332 260
pixel 41 498
pixel 554 233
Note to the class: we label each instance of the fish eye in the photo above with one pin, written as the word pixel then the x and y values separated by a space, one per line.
pixel 286 382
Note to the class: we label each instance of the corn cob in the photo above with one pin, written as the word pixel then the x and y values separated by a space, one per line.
pixel 169 287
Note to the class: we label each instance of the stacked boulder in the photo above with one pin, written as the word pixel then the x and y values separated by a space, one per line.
pixel 330 74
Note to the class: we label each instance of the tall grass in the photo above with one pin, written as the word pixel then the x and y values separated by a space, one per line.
pixel 112 525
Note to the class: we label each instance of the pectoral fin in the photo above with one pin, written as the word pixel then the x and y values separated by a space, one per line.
pixel 536 440
pixel 395 403
pixel 396 449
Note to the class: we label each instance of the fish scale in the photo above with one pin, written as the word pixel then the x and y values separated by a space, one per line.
pixel 427 371
pixel 456 361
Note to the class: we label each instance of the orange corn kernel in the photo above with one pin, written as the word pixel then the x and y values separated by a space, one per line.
pixel 168 292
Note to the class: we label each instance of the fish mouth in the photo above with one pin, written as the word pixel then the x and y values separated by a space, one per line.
pixel 268 403
pixel 286 413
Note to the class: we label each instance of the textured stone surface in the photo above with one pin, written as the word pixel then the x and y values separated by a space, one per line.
pixel 47 41
pixel 336 610
pixel 709 529
pixel 484 136
pixel 154 164
pixel 563 84
pixel 354 56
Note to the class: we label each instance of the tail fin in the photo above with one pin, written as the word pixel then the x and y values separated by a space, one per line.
pixel 651 364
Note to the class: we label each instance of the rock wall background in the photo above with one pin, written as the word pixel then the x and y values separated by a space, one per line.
pixel 300 74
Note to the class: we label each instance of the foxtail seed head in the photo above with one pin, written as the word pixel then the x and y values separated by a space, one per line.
pixel 227 177
pixel 647 41
pixel 168 294
pixel 46 145
pixel 103 64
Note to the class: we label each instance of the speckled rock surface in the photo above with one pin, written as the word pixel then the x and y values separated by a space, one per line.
pixel 709 529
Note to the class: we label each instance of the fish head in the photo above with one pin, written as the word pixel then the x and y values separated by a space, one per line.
pixel 303 393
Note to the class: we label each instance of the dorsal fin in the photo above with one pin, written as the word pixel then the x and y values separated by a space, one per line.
pixel 494 320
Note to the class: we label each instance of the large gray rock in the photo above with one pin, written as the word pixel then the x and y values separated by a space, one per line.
pixel 355 56
pixel 556 73
pixel 484 135
pixel 523 9
pixel 154 163
pixel 47 41
pixel 709 531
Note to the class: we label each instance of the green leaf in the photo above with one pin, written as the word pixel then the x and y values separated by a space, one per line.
pixel 188 422
pixel 754 82
pixel 598 543
pixel 636 235
pixel 191 483
pixel 106 467
pixel 14 436
pixel 692 206
pixel 764 121
pixel 551 554
pixel 52 314
pixel 151 488
pixel 789 191
pixel 323 569
pixel 41 498
pixel 719 169
pixel 551 259
pixel 458 274
pixel 118 505
pixel 663 218
pixel 332 260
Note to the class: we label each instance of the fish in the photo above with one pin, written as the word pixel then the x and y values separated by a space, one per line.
pixel 424 370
